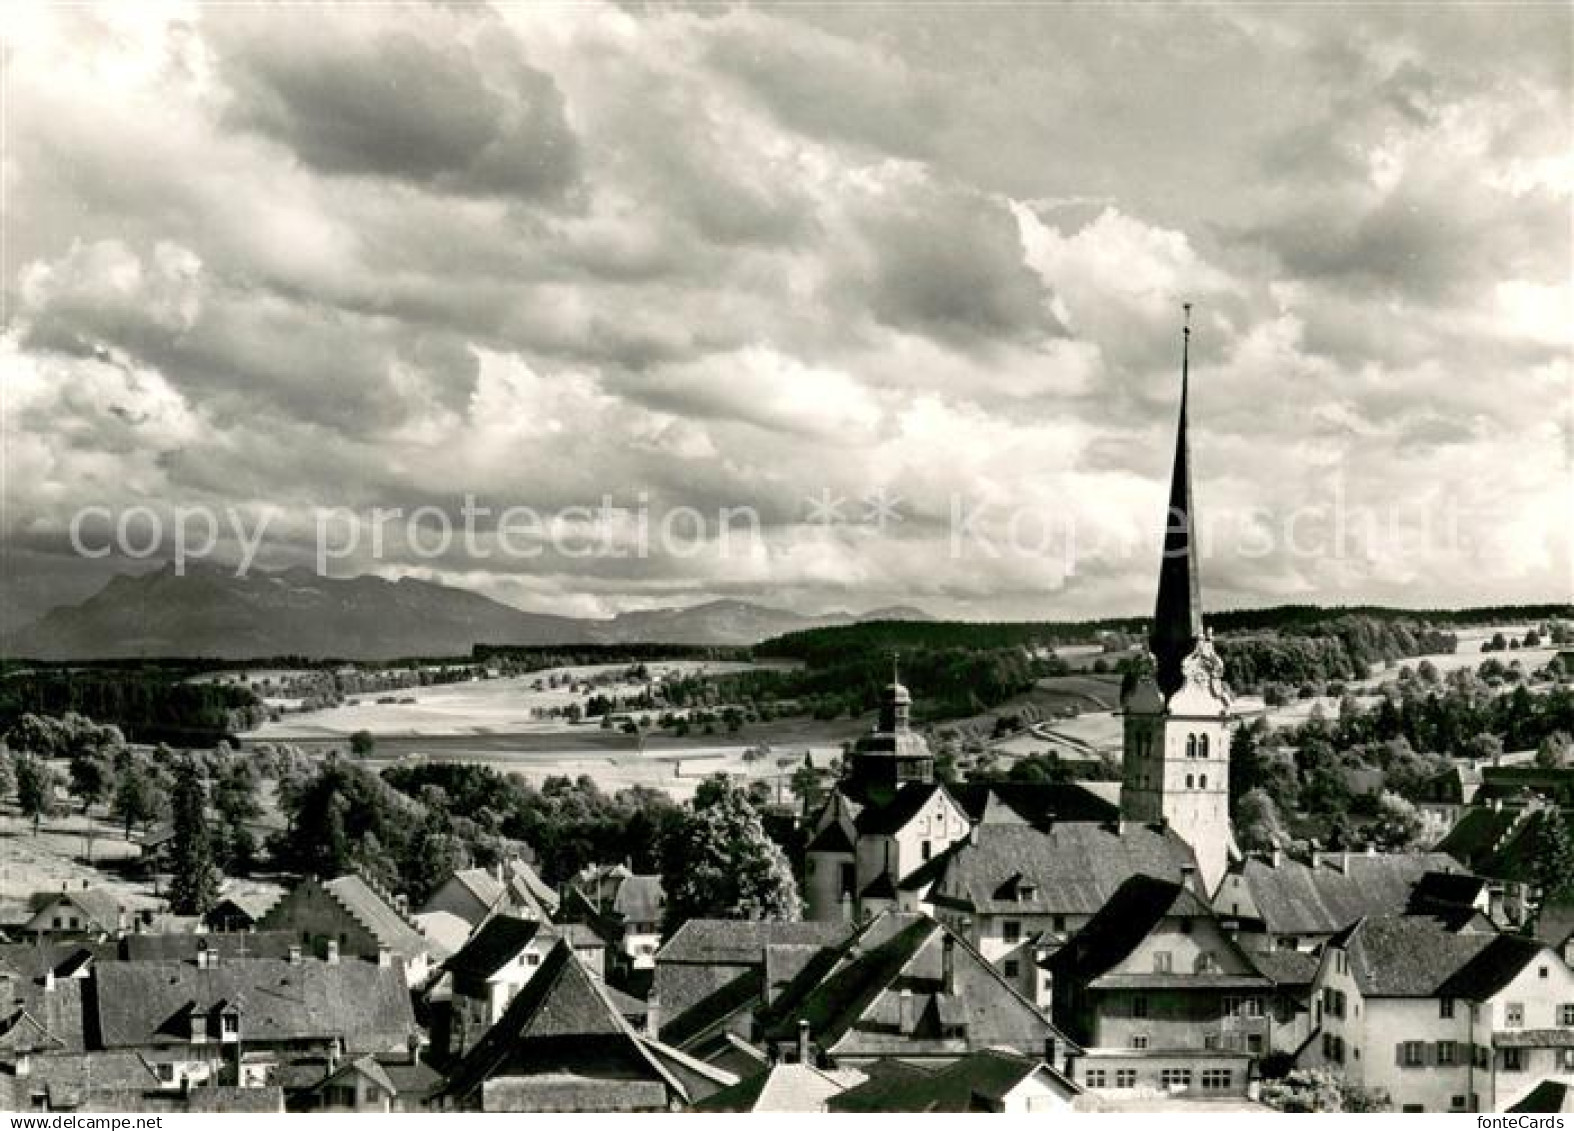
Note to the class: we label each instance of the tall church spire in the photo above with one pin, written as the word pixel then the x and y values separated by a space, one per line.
pixel 1177 617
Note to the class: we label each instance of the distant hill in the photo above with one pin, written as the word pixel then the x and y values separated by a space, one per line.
pixel 210 612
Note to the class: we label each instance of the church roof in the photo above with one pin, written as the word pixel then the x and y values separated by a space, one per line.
pixel 1177 616
pixel 1070 868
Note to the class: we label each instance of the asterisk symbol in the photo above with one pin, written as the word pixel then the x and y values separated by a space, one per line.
pixel 827 509
pixel 880 508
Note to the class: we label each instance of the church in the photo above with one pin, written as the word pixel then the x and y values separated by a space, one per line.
pixel 891 836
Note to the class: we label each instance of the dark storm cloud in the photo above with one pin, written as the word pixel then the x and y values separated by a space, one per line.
pixel 352 97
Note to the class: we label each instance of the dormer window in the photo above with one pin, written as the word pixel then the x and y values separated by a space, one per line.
pixel 229 1025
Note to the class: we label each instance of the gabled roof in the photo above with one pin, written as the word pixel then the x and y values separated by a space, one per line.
pixel 1406 955
pixel 1492 967
pixel 1295 898
pixel 885 991
pixel 832 838
pixel 640 899
pixel 784 1087
pixel 1036 803
pixel 560 1024
pixel 528 888
pixel 177 948
pixel 253 905
pixel 152 1003
pixel 377 915
pixel 494 946
pixel 101 907
pixel 1073 867
pixel 1548 1097
pixel 904 805
pixel 1286 967
pixel 987 1075
pixel 743 942
pixel 1133 913
pixel 1438 890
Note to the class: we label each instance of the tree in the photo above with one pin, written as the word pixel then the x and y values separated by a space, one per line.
pixel 7 774
pixel 1398 825
pixel 235 803
pixel 718 862
pixel 92 776
pixel 1258 824
pixel 1485 748
pixel 137 798
pixel 1553 750
pixel 1317 1089
pixel 362 743
pixel 194 886
pixel 35 788
pixel 1552 867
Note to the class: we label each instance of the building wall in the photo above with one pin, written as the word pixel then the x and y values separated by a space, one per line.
pixel 1542 989
pixel 1125 1076
pixel 1191 793
pixel 317 917
pixel 823 885
pixel 459 900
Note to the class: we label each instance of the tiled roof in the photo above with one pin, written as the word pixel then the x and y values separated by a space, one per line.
pixel 988 1074
pixel 743 942
pixel 1136 909
pixel 904 805
pixel 151 1003
pixel 1548 1098
pixel 1477 835
pixel 494 946
pixel 177 948
pixel 482 884
pixel 1406 955
pixel 1286 967
pixel 529 888
pixel 446 931
pixel 1492 968
pixel 790 1087
pixel 640 899
pixel 386 924
pixel 1073 867
pixel 1446 889
pixel 1293 898
pixel 883 992
pixel 1037 803
pixel 561 1024
pixel 832 838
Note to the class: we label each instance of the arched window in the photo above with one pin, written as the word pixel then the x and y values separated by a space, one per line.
pixel 1202 747
pixel 1191 746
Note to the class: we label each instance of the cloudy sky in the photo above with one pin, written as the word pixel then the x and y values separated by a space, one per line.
pixel 268 260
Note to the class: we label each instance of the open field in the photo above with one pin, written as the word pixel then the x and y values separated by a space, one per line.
pixel 479 707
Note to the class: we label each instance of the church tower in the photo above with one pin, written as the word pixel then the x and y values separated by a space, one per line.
pixel 1176 765
pixel 892 754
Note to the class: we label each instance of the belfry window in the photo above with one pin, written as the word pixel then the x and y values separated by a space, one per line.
pixel 1191 746
pixel 1202 746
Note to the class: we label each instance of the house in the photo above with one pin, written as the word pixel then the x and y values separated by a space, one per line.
pixel 1504 844
pixel 248 1021
pixel 512 888
pixel 1016 891
pixel 714 975
pixel 119 1082
pixel 904 985
pixel 989 1080
pixel 1446 795
pixel 239 912
pixel 785 1086
pixel 485 975
pixel 41 1001
pixel 1276 902
pixel 87 912
pixel 1442 1021
pixel 381 1083
pixel 348 917
pixel 1162 997
pixel 626 909
pixel 562 1046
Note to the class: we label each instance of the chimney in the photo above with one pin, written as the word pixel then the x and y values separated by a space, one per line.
pixel 412 1046
pixel 333 952
pixel 49 980
pixel 909 1019
pixel 947 962
pixel 23 1066
pixel 384 956
pixel 653 1016
pixel 295 954
pixel 803 1040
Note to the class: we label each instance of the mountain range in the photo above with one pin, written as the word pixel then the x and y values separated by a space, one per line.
pixel 211 612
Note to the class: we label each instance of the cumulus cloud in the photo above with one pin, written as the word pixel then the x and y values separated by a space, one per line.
pixel 397 255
